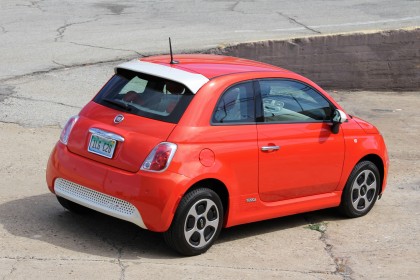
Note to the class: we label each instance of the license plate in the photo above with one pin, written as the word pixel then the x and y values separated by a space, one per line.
pixel 102 146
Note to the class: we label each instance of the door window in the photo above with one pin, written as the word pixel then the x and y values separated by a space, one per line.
pixel 292 101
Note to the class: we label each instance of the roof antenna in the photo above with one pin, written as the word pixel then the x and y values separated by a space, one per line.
pixel 172 56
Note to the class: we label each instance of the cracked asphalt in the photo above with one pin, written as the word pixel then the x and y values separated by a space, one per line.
pixel 55 55
pixel 43 35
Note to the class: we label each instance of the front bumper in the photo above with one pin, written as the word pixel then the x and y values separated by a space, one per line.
pixel 146 199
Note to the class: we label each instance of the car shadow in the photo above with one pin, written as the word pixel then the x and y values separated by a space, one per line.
pixel 278 224
pixel 43 219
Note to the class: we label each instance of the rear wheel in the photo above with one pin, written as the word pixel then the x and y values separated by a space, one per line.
pixel 71 206
pixel 361 191
pixel 197 223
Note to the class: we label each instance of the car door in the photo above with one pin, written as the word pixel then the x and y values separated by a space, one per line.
pixel 298 153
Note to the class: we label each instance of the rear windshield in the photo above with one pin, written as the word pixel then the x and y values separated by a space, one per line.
pixel 145 95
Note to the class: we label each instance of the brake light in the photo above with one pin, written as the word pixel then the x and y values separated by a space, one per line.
pixel 160 157
pixel 64 137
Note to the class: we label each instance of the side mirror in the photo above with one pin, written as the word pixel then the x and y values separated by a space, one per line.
pixel 338 118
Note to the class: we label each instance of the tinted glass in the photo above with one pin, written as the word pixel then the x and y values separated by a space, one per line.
pixel 291 101
pixel 236 105
pixel 146 96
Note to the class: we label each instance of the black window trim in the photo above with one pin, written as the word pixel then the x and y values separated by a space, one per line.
pixel 258 106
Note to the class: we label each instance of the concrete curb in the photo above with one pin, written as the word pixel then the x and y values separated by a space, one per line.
pixel 385 60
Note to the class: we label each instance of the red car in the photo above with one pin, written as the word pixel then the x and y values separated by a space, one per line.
pixel 188 147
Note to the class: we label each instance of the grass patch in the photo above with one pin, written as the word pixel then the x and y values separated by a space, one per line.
pixel 320 227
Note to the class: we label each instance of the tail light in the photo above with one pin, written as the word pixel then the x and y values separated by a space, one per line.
pixel 64 137
pixel 160 157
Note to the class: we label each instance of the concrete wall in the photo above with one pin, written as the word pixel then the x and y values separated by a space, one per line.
pixel 388 60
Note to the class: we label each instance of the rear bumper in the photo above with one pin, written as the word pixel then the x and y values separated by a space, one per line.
pixel 146 199
pixel 100 202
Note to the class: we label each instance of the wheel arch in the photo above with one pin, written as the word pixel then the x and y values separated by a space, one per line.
pixel 218 187
pixel 377 160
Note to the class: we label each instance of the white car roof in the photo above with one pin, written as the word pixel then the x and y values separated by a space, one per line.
pixel 192 81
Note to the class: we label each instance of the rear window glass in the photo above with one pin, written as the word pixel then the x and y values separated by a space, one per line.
pixel 145 95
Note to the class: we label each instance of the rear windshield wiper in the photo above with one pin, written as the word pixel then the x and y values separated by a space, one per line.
pixel 119 103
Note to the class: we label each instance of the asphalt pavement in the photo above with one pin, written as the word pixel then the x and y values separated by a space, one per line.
pixel 43 35
pixel 55 55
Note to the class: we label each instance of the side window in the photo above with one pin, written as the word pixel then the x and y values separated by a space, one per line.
pixel 292 101
pixel 236 105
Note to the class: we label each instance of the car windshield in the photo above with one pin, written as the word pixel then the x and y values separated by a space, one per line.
pixel 145 95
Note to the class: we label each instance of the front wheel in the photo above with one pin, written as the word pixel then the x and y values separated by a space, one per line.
pixel 197 223
pixel 361 191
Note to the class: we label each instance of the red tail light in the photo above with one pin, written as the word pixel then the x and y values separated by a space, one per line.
pixel 64 137
pixel 160 157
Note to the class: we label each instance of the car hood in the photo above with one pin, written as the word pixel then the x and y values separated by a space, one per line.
pixel 366 126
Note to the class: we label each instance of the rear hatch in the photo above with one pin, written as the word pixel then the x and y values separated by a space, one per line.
pixel 130 115
pixel 134 137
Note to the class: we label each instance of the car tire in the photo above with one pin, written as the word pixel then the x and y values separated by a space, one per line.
pixel 71 206
pixel 197 223
pixel 361 190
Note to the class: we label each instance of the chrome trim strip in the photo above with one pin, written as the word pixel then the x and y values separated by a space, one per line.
pixel 192 81
pixel 270 148
pixel 106 134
